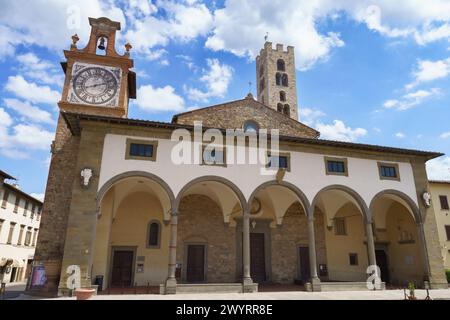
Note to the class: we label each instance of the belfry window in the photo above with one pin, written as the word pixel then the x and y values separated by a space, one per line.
pixel 284 80
pixel 282 96
pixel 280 65
pixel 154 234
pixel 280 107
pixel 278 79
pixel 287 110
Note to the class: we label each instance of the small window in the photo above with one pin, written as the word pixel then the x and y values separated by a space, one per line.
pixel 34 237
pixel 284 80
pixel 353 259
pixel 251 126
pixel 154 234
pixel 12 226
pixel 336 166
pixel 16 205
pixel 444 202
pixel 214 156
pixel 278 79
pixel 25 209
pixel 287 110
pixel 282 96
pixel 280 108
pixel 141 150
pixel 280 65
pixel 339 227
pixel 447 231
pixel 28 237
pixel 5 199
pixel 261 70
pixel 261 84
pixel 281 161
pixel 388 171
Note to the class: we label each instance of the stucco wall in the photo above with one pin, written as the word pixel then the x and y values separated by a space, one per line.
pixel 442 218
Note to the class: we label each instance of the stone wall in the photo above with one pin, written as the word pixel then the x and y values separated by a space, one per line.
pixel 201 221
pixel 232 115
pixel 55 212
pixel 287 238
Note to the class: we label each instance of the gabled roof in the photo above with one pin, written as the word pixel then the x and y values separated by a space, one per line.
pixel 248 98
pixel 4 175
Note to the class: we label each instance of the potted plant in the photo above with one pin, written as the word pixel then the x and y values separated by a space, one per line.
pixel 84 293
pixel 411 288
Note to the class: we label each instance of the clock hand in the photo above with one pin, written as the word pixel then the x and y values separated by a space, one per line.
pixel 95 85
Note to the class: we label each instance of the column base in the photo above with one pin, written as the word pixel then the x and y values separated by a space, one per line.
pixel 248 286
pixel 171 286
pixel 313 285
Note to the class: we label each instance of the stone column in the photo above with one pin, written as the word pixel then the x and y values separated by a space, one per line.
pixel 171 282
pixel 424 253
pixel 315 281
pixel 246 279
pixel 370 244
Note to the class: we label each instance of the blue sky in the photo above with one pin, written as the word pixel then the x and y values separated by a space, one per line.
pixel 375 72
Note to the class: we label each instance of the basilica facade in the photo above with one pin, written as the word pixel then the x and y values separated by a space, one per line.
pixel 316 213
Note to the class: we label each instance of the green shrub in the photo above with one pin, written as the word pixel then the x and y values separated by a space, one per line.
pixel 447 272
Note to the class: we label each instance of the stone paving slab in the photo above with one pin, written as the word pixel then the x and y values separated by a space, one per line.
pixel 442 294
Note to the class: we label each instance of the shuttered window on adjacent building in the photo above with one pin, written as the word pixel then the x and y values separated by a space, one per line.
pixel 447 230
pixel 444 202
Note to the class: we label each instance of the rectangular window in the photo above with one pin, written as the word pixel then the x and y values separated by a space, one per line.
pixel 353 259
pixel 447 231
pixel 19 241
pixel 32 211
pixel 339 227
pixel 28 237
pixel 216 156
pixel 12 225
pixel 35 237
pixel 283 160
pixel 336 166
pixel 5 198
pixel 25 209
pixel 16 205
pixel 39 211
pixel 1 225
pixel 141 150
pixel 444 202
pixel 388 171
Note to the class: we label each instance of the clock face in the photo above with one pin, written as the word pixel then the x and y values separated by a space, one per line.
pixel 95 85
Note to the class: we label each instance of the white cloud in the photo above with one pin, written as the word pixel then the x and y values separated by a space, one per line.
pixel 159 99
pixel 400 135
pixel 439 168
pixel 430 33
pixel 31 136
pixel 430 70
pixel 28 111
pixel 5 118
pixel 339 131
pixel 40 70
pixel 216 79
pixel 445 135
pixel 309 116
pixel 31 91
pixel 412 99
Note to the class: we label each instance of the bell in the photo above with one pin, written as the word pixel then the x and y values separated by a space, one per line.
pixel 101 46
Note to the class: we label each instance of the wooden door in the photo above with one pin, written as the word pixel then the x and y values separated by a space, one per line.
pixel 304 267
pixel 195 271
pixel 122 271
pixel 382 262
pixel 257 257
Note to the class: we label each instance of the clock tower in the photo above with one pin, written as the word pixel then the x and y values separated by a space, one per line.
pixel 98 82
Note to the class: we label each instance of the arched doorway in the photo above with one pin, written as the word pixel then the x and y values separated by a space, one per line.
pixel 397 239
pixel 131 246
pixel 209 208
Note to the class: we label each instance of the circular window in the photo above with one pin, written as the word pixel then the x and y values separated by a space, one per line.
pixel 251 126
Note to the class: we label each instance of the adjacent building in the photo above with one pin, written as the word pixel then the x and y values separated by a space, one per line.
pixel 120 206
pixel 20 216
pixel 440 193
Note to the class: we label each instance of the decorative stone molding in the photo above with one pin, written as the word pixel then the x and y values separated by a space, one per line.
pixel 86 175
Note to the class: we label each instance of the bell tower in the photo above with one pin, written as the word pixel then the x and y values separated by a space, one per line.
pixel 98 79
pixel 98 82
pixel 275 78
